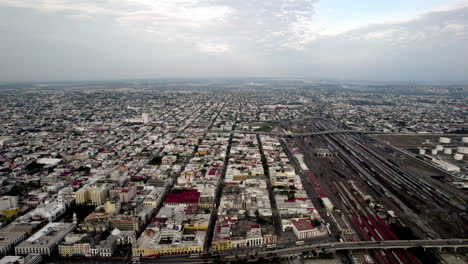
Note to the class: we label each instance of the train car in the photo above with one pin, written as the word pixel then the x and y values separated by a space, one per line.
pixel 460 199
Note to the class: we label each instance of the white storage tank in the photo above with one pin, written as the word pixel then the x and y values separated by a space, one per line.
pixel 434 152
pixel 465 139
pixel 462 150
pixel 439 147
pixel 444 140
pixel 422 151
pixel 458 156
pixel 448 151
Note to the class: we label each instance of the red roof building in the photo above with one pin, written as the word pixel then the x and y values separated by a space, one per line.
pixel 191 197
pixel 302 224
pixel 303 228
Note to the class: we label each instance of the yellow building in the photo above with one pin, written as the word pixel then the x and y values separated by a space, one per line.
pixel 66 250
pixel 207 204
pixel 81 196
pixel 96 194
pixel 95 222
pixel 147 252
pixel 221 245
pixel 282 174
pixel 196 226
pixel 151 203
pixel 189 174
pixel 240 177
pixel 12 213
pixel 125 223
pixel 81 157
pixel 148 243
pixel 112 206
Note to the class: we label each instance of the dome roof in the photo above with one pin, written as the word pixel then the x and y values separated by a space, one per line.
pixel 116 232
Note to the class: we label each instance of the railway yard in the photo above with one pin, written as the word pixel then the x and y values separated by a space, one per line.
pixel 378 193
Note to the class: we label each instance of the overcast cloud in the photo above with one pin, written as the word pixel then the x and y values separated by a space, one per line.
pixel 119 39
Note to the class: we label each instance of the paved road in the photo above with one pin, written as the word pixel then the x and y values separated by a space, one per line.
pixel 341 131
pixel 297 250
pixel 276 218
pixel 219 191
pixel 388 244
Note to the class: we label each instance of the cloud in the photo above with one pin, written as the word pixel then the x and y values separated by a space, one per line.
pixel 213 47
pixel 432 47
pixel 59 5
pixel 380 35
pixel 457 29
pixel 186 38
pixel 273 24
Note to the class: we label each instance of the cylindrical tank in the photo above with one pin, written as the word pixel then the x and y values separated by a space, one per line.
pixel 448 151
pixel 458 156
pixel 444 140
pixel 422 151
pixel 439 147
pixel 434 152
pixel 465 139
pixel 462 150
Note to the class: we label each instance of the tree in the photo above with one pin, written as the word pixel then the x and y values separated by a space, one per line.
pixel 156 161
pixel 316 222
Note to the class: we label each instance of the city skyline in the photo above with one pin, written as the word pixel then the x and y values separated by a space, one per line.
pixel 270 171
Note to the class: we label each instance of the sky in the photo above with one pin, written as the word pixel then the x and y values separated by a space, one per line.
pixel 397 40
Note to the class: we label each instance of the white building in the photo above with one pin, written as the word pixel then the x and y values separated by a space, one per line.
pixel 124 193
pixel 145 118
pixel 46 240
pixel 303 228
pixel 50 210
pixel 49 161
pixel 446 166
pixel 7 202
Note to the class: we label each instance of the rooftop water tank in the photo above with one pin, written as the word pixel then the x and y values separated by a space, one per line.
pixel 462 150
pixel 444 140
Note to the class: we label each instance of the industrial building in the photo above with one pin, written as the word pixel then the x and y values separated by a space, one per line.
pixel 446 166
